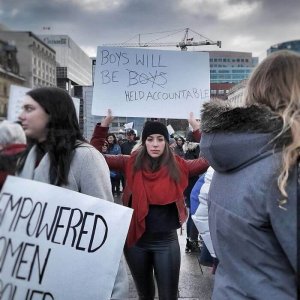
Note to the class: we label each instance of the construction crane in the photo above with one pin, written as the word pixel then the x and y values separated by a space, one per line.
pixel 183 44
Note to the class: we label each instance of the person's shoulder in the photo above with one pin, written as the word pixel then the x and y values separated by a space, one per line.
pixel 84 148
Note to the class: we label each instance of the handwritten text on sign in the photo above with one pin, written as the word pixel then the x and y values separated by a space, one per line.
pixel 150 83
pixel 47 231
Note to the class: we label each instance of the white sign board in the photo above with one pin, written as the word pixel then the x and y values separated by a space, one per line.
pixel 58 244
pixel 16 98
pixel 136 82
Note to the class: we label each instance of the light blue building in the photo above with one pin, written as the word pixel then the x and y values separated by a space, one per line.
pixel 230 66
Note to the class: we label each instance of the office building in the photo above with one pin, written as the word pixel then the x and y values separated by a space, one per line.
pixel 230 66
pixel 220 90
pixel 36 59
pixel 74 66
pixel 9 74
pixel 236 94
pixel 290 45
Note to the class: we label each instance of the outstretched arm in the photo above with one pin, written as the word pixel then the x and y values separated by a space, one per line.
pixel 195 124
pixel 101 131
pixel 107 120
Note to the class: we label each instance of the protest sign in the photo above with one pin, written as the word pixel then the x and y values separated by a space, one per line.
pixel 58 244
pixel 16 97
pixel 136 82
pixel 170 129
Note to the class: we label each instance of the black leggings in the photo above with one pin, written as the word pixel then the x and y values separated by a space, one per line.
pixel 158 252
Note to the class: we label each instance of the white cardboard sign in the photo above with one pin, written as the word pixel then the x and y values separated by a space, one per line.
pixel 58 244
pixel 136 82
pixel 16 97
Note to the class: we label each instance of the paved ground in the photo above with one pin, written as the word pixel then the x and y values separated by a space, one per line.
pixel 193 285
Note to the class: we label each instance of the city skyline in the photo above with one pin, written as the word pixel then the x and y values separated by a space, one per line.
pixel 241 25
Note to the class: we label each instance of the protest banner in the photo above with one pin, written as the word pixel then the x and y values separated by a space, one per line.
pixel 16 97
pixel 136 82
pixel 58 244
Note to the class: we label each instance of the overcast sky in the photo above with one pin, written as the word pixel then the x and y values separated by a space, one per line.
pixel 241 25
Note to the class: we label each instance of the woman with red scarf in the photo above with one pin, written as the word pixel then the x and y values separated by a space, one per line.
pixel 156 179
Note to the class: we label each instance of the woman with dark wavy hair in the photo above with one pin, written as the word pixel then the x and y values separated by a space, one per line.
pixel 254 193
pixel 115 176
pixel 58 154
pixel 155 181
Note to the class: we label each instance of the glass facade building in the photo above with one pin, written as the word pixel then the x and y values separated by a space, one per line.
pixel 73 65
pixel 230 66
pixel 290 45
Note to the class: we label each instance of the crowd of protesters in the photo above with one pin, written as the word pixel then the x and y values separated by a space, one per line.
pixel 248 199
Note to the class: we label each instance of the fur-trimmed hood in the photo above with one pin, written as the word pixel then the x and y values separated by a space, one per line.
pixel 221 117
pixel 235 137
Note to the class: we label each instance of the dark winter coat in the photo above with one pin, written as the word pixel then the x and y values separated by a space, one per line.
pixel 253 237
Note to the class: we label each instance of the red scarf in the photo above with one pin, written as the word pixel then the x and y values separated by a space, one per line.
pixel 151 188
pixel 13 149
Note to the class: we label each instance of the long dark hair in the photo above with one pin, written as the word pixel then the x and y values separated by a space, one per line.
pixel 63 131
pixel 145 161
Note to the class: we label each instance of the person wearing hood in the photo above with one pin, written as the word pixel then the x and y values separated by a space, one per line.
pixel 156 179
pixel 253 195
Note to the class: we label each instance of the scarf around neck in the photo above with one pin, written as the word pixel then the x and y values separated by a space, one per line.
pixel 152 188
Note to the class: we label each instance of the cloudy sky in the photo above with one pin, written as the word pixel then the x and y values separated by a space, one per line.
pixel 241 25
